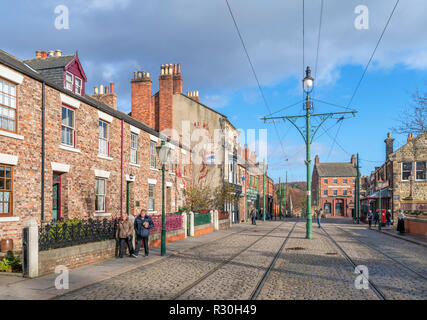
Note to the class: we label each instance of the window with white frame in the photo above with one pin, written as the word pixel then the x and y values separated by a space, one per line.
pixel 7 106
pixel 406 170
pixel 420 168
pixel 151 199
pixel 344 181
pixel 78 85
pixel 133 148
pixel 68 126
pixel 325 181
pixel 325 192
pixel 100 195
pixel 69 80
pixel 335 181
pixel 6 190
pixel 335 192
pixel 103 143
pixel 152 154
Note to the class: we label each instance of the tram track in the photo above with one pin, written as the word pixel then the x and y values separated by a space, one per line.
pixel 260 285
pixel 384 254
pixel 222 264
pixel 372 285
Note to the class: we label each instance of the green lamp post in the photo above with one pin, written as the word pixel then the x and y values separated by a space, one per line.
pixel 163 153
pixel 380 185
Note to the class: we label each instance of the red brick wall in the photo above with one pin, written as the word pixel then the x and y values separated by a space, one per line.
pixel 142 106
pixel 164 116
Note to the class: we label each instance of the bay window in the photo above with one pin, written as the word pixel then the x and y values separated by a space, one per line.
pixel 6 189
pixel 7 106
pixel 67 126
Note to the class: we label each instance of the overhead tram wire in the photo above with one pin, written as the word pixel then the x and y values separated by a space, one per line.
pixel 369 62
pixel 253 71
pixel 318 41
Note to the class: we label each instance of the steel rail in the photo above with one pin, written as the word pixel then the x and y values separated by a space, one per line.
pixel 267 273
pixel 374 288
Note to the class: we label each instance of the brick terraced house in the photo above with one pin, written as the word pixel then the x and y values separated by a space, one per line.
pixel 66 154
pixel 333 184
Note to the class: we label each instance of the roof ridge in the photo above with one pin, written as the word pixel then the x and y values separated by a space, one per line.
pixel 54 57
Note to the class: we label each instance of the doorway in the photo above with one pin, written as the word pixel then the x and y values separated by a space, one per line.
pixel 339 208
pixel 56 197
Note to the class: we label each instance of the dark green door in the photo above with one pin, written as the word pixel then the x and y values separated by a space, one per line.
pixel 56 197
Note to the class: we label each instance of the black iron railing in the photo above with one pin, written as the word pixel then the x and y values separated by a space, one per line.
pixel 59 234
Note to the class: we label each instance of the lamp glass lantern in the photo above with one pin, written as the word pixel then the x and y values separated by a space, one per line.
pixel 308 81
pixel 163 153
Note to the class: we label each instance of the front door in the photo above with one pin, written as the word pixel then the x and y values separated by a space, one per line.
pixel 339 208
pixel 56 197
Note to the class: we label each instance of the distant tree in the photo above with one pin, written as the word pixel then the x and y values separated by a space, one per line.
pixel 198 198
pixel 222 195
pixel 413 118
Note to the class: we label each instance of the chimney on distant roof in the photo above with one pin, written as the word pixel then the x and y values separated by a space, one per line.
pixel 141 102
pixel 388 145
pixel 164 103
pixel 106 95
pixel 43 54
pixel 193 95
pixel 38 54
pixel 58 53
pixel 51 53
pixel 316 160
pixel 410 137
pixel 353 159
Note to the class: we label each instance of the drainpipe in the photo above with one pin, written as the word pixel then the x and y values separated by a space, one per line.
pixel 43 150
pixel 121 172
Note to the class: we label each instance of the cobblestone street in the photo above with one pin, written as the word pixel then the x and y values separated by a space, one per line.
pixel 232 267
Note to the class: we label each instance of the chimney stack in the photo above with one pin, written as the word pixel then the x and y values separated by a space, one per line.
pixel 388 145
pixel 316 160
pixel 141 102
pixel 164 102
pixel 353 159
pixel 106 95
pixel 38 54
pixel 410 137
pixel 194 95
pixel 177 79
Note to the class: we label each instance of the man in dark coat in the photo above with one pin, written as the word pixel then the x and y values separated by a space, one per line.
pixel 143 224
pixel 253 216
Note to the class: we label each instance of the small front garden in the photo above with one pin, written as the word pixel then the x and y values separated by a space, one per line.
pixel 416 214
pixel 10 263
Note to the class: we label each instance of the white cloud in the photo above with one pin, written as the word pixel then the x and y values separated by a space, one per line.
pixel 215 101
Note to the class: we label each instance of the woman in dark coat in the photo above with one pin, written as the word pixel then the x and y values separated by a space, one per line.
pixel 401 222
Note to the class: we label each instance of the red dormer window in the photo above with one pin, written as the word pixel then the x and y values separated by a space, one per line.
pixel 69 81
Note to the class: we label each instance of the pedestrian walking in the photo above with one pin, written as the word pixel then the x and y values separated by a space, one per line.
pixel 143 224
pixel 401 222
pixel 319 213
pixel 253 215
pixel 388 218
pixel 370 217
pixel 123 235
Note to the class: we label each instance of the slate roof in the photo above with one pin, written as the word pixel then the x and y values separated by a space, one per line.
pixel 19 65
pixel 50 62
pixel 336 169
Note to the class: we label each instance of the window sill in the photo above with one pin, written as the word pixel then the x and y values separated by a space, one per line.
pixel 102 156
pixel 102 214
pixel 154 169
pixel 68 148
pixel 152 212
pixel 134 165
pixel 11 135
pixel 9 219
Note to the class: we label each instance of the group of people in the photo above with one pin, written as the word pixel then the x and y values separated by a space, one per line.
pixel 375 216
pixel 127 227
pixel 255 215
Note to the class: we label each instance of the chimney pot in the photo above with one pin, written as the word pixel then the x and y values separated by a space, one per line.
pixel 106 90
pixel 51 53
pixel 96 90
pixel 101 89
pixel 44 55
pixel 38 54
pixel 112 88
pixel 58 53
pixel 148 75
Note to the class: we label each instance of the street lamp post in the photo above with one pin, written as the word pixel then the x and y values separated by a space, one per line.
pixel 263 189
pixel 308 137
pixel 163 153
pixel 380 184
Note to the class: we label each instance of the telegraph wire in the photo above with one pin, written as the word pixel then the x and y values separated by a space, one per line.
pixel 373 53
pixel 318 41
pixel 253 71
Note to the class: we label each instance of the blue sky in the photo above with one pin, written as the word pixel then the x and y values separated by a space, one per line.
pixel 116 38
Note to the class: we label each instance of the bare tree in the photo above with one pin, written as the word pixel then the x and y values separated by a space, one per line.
pixel 413 118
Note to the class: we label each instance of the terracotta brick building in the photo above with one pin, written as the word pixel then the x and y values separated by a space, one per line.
pixel 333 184
pixel 66 154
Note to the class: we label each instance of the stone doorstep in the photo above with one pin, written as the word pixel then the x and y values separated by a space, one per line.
pixel 391 234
